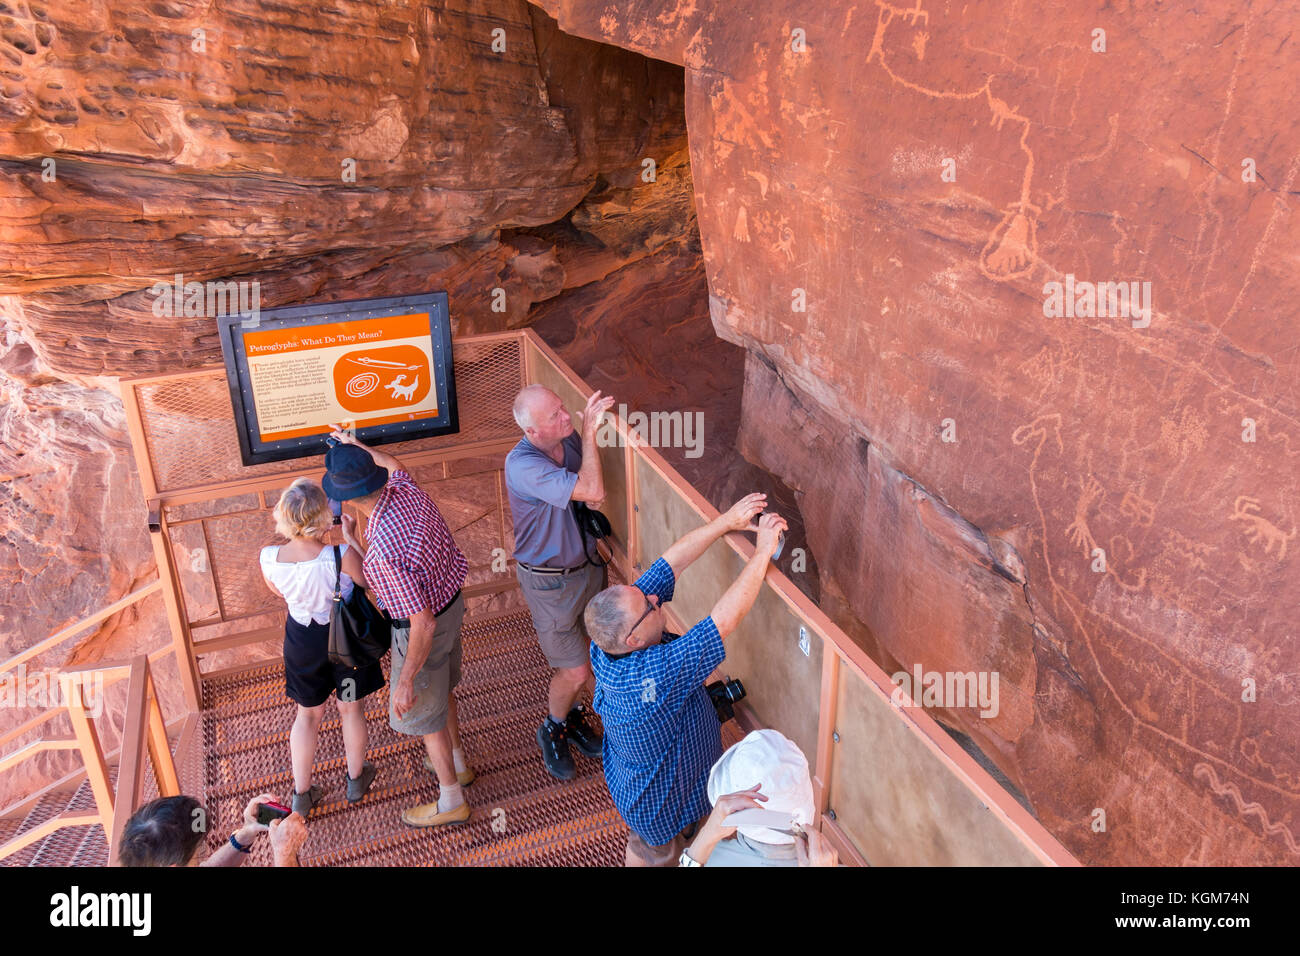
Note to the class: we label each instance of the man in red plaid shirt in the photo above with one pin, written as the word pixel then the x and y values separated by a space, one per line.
pixel 416 571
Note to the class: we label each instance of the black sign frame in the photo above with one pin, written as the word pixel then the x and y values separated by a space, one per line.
pixel 254 451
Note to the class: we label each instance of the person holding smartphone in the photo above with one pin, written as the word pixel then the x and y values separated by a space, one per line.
pixel 303 573
pixel 662 733
pixel 169 831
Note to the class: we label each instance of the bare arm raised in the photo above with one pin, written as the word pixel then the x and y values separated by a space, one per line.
pixel 694 543
pixel 739 598
pixel 591 481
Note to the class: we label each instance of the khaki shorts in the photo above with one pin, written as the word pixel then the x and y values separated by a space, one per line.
pixel 556 602
pixel 434 683
pixel 666 855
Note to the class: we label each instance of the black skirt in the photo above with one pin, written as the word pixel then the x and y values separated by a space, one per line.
pixel 310 675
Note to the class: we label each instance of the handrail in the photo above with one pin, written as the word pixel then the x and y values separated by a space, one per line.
pixel 144 735
pixel 86 738
pixel 60 636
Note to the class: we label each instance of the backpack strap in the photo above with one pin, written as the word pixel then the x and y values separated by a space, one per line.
pixel 338 575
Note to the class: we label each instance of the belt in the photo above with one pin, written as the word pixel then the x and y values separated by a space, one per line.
pixel 405 622
pixel 529 567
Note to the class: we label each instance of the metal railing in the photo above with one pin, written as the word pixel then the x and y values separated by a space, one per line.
pixel 143 729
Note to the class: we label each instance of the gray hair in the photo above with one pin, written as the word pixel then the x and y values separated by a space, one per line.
pixel 523 409
pixel 606 620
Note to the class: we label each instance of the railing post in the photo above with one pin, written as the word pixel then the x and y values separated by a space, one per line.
pixel 162 552
pixel 130 771
pixel 91 752
pixel 632 571
pixel 164 767
pixel 830 691
pixel 529 356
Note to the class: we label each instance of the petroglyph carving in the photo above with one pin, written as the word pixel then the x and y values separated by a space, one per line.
pixel 1138 508
pixel 1079 533
pixel 1259 530
pixel 1195 553
pixel 741 232
pixel 786 241
pixel 1203 771
pixel 1184 436
pixel 1012 246
pixel 1121 551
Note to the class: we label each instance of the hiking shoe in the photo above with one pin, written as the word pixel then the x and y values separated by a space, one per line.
pixel 555 750
pixel 581 733
pixel 303 802
pixel 427 815
pixel 463 777
pixel 358 786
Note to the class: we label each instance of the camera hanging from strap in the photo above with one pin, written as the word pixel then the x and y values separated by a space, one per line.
pixel 594 525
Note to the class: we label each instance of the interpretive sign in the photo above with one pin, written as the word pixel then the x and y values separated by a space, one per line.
pixel 380 366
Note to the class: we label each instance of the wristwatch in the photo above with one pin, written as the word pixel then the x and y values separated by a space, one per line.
pixel 685 859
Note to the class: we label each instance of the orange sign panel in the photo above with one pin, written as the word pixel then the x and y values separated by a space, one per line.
pixel 370 380
pixel 363 372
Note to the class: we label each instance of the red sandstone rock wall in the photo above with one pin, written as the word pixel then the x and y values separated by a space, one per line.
pixel 818 170
pixel 821 170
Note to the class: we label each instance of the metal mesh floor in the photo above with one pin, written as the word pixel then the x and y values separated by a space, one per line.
pixel 522 816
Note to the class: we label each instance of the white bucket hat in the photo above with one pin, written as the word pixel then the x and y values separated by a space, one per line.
pixel 769 758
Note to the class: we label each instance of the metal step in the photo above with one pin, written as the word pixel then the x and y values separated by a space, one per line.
pixel 69 846
pixel 521 815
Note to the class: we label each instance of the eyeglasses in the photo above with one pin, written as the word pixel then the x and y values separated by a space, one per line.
pixel 649 609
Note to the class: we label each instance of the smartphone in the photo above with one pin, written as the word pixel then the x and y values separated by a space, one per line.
pixel 336 509
pixel 266 812
pixel 751 817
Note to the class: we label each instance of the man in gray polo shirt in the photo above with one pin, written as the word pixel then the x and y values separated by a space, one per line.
pixel 546 472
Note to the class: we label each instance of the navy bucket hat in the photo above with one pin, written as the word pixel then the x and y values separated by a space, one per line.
pixel 350 473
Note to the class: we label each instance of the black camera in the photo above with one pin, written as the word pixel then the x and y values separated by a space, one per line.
pixel 725 693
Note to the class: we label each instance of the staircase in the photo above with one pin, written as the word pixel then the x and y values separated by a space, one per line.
pixel 71 846
pixel 521 814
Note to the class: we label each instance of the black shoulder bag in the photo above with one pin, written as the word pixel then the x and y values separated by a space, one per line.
pixel 592 524
pixel 360 633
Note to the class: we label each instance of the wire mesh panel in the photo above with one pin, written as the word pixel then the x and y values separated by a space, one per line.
pixel 189 426
pixel 235 542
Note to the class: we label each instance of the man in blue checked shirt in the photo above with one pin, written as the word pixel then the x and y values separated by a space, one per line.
pixel 661 732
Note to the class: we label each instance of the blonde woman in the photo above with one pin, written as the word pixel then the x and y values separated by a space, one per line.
pixel 303 572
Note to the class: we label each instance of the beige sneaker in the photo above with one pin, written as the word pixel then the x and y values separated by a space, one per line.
pixel 464 777
pixel 427 815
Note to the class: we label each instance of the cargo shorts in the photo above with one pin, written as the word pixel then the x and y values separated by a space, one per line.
pixel 439 675
pixel 556 602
